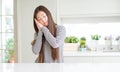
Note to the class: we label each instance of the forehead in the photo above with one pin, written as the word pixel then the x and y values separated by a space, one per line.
pixel 41 13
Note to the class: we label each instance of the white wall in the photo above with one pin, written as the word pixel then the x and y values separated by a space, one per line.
pixel 25 9
pixel 89 7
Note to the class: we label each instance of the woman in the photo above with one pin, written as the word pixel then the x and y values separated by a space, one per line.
pixel 50 37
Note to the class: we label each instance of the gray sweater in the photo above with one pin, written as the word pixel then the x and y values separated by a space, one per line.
pixel 50 40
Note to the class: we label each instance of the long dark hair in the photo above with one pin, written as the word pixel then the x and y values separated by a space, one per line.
pixel 52 29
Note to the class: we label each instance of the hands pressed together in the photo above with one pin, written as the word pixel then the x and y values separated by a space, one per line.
pixel 38 24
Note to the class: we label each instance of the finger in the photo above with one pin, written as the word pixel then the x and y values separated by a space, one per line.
pixel 36 21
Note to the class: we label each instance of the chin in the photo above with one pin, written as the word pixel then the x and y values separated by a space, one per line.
pixel 46 25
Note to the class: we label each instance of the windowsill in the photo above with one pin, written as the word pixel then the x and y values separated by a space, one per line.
pixel 75 53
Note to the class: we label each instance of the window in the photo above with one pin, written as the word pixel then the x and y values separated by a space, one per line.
pixel 108 27
pixel 6 31
pixel 88 29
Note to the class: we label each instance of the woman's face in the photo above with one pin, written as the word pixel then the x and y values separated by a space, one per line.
pixel 42 18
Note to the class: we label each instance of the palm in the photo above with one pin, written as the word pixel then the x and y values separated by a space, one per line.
pixel 39 25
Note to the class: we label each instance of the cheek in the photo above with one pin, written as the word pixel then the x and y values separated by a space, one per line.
pixel 45 19
pixel 45 24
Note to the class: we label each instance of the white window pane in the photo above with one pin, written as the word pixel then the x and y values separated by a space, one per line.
pixel 0 7
pixel 89 29
pixel 3 24
pixel 7 7
pixel 6 38
pixel 3 40
pixel 7 24
pixel 0 41
pixel 0 24
pixel 5 56
pixel 9 41
pixel 0 56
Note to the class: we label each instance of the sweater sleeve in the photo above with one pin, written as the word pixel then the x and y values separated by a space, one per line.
pixel 57 41
pixel 37 46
